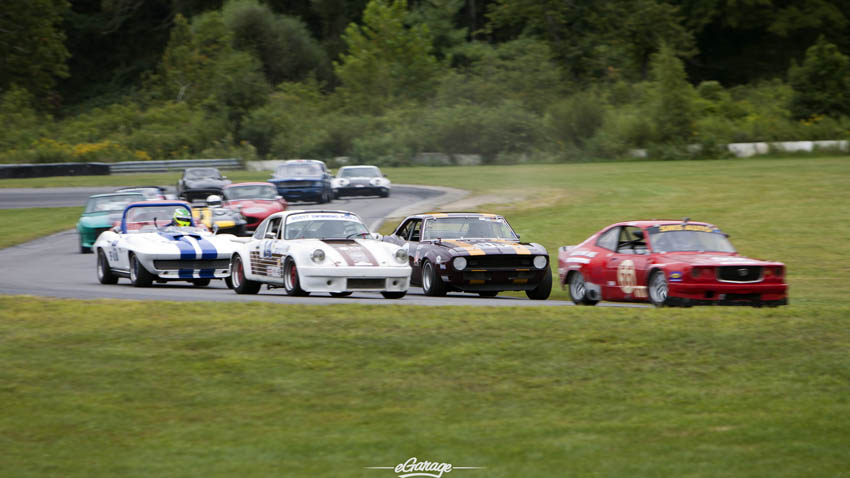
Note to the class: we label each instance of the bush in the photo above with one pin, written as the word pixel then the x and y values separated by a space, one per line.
pixel 575 120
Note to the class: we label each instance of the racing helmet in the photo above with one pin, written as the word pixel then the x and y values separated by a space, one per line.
pixel 214 200
pixel 182 217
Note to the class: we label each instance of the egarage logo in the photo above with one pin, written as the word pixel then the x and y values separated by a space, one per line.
pixel 413 468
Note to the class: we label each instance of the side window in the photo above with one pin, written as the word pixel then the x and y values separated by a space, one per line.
pixel 608 239
pixel 261 230
pixel 404 231
pixel 416 230
pixel 273 229
pixel 631 241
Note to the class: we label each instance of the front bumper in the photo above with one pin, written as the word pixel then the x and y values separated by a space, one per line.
pixel 361 191
pixel 758 294
pixel 301 194
pixel 481 280
pixel 172 267
pixel 349 279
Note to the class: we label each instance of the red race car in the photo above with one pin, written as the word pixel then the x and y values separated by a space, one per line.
pixel 256 201
pixel 668 263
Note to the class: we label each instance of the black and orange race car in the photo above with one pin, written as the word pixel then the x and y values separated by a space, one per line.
pixel 472 252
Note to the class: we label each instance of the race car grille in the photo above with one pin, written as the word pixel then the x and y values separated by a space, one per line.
pixel 499 261
pixel 739 273
pixel 294 184
pixel 173 265
pixel 366 284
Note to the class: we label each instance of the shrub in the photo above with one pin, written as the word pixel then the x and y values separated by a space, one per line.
pixel 573 121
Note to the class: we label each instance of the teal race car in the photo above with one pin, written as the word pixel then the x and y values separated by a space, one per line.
pixel 101 213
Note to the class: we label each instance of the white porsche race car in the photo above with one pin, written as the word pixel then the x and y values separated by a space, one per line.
pixel 319 251
pixel 360 181
pixel 147 247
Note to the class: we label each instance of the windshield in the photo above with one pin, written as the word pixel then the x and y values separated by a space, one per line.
pixel 151 218
pixel 200 173
pixel 468 227
pixel 298 170
pixel 360 172
pixel 112 203
pixel 324 226
pixel 688 238
pixel 251 192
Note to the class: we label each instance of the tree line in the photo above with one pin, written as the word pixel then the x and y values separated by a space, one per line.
pixel 382 80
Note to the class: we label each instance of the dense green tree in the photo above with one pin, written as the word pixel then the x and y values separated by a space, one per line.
pixel 672 99
pixel 282 43
pixel 32 45
pixel 386 59
pixel 822 83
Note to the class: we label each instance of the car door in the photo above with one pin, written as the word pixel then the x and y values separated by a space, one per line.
pixel 625 269
pixel 265 262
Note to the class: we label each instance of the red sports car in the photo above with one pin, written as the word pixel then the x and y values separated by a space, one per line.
pixel 668 263
pixel 256 201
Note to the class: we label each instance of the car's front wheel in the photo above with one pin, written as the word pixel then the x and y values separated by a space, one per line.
pixel 237 278
pixel 432 285
pixel 291 279
pixel 658 289
pixel 543 289
pixel 578 290
pixel 84 249
pixel 139 276
pixel 104 272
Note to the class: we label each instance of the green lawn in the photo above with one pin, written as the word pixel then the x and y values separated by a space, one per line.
pixel 134 389
pixel 22 225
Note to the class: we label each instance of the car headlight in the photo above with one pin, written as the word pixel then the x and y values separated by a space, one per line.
pixel 375 181
pixel 540 262
pixel 401 256
pixel 343 182
pixel 459 263
pixel 317 255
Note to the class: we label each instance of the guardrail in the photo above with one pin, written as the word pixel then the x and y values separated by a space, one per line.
pixel 8 171
pixel 172 165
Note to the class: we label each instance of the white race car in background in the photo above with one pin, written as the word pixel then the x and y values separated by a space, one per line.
pixel 146 247
pixel 360 181
pixel 319 251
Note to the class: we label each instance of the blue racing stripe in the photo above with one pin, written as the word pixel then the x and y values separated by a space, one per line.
pixel 207 274
pixel 185 273
pixel 187 250
pixel 208 250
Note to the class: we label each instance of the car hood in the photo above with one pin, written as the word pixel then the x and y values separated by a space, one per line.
pixel 477 247
pixel 256 203
pixel 351 252
pixel 709 259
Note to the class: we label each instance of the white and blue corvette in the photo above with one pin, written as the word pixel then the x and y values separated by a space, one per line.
pixel 319 251
pixel 148 247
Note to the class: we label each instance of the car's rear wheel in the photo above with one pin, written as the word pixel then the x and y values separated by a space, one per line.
pixel 658 289
pixel 291 279
pixel 201 282
pixel 341 294
pixel 578 289
pixel 488 293
pixel 104 272
pixel 543 289
pixel 389 294
pixel 139 276
pixel 237 278
pixel 432 285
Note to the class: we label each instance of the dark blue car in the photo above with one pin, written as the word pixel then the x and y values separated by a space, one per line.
pixel 303 180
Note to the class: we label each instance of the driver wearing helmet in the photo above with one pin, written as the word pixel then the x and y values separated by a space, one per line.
pixel 181 218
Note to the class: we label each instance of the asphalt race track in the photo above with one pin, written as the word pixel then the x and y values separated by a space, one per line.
pixel 53 266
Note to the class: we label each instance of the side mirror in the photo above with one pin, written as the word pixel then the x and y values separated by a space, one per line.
pixel 270 235
pixel 518 236
pixel 386 176
pixel 377 236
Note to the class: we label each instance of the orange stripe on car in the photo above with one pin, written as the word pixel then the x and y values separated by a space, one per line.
pixel 471 249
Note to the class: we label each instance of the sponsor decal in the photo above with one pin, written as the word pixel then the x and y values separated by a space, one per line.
pixel 675 276
pixel 324 216
pixel 578 260
pixel 584 253
pixel 626 277
pixel 412 467
pixel 684 227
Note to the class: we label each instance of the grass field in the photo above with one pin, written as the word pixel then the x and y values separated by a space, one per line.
pixel 120 388
pixel 22 225
pixel 132 389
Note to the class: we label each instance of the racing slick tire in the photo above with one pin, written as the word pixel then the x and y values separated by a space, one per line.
pixel 543 289
pixel 658 289
pixel 228 282
pixel 139 276
pixel 389 294
pixel 200 282
pixel 104 273
pixel 237 278
pixel 578 290
pixel 432 285
pixel 291 280
pixel 340 294
pixel 488 293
